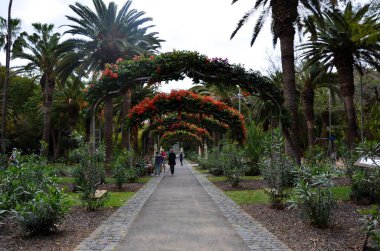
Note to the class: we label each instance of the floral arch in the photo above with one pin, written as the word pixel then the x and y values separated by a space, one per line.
pixel 170 138
pixel 179 126
pixel 189 102
pixel 201 121
pixel 177 65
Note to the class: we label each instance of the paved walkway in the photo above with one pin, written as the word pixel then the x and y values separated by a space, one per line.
pixel 184 212
pixel 180 215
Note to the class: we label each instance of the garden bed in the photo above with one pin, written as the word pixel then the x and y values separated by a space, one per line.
pixel 344 232
pixel 75 227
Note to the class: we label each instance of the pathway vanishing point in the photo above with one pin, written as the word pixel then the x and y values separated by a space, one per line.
pixel 184 212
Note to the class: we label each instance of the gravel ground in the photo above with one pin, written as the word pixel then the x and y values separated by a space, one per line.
pixel 344 232
pixel 76 226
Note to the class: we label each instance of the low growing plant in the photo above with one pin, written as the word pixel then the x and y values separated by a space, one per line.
pixel 234 164
pixel 371 219
pixel 313 194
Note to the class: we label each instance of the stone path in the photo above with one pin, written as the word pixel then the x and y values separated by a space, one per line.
pixel 184 212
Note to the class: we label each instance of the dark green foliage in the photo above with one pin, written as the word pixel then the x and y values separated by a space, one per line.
pixel 234 163
pixel 254 148
pixel 89 173
pixel 31 193
pixel 371 219
pixel 314 195
pixel 277 170
pixel 213 163
pixel 121 167
pixel 40 214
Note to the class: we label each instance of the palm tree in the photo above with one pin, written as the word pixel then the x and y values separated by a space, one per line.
pixel 285 16
pixel 111 35
pixel 44 52
pixel 345 39
pixel 315 76
pixel 11 26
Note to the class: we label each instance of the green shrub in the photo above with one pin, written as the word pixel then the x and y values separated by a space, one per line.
pixel 132 175
pixel 89 173
pixel 314 195
pixel 277 171
pixel 42 212
pixel 233 163
pixel 254 148
pixel 371 219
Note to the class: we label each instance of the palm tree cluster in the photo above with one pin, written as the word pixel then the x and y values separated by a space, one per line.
pixel 99 36
pixel 340 40
pixel 338 37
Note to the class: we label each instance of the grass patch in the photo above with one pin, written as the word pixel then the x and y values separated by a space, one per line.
pixel 65 180
pixel 224 178
pixel 144 179
pixel 248 196
pixel 199 169
pixel 117 199
pixel 342 193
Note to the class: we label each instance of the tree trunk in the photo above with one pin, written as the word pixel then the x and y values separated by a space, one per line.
pixel 108 127
pixel 284 15
pixel 308 107
pixel 135 132
pixel 127 98
pixel 7 78
pixel 48 91
pixel 345 72
pixel 290 95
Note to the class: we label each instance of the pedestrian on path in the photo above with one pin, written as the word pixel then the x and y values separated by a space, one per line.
pixel 172 158
pixel 163 154
pixel 181 158
pixel 157 163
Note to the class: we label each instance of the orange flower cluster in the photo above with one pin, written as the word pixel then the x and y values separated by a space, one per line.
pixel 110 73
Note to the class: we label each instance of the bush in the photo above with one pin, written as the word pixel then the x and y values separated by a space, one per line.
pixel 89 174
pixel 42 212
pixel 371 219
pixel 234 163
pixel 30 191
pixel 213 163
pixel 277 171
pixel 254 148
pixel 365 182
pixel 313 194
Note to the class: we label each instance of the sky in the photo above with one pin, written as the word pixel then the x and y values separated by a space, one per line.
pixel 197 25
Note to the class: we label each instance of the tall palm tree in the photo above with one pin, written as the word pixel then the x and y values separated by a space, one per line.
pixel 45 54
pixel 315 76
pixel 285 16
pixel 11 26
pixel 110 35
pixel 345 39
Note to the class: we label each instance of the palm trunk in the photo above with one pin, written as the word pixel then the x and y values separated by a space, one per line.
pixel 308 107
pixel 7 78
pixel 47 107
pixel 345 71
pixel 108 125
pixel 126 107
pixel 290 95
pixel 135 132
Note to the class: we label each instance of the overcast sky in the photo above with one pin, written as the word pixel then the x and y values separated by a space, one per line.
pixel 200 25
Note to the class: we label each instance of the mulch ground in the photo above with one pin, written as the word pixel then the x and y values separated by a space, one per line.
pixel 75 227
pixel 260 184
pixel 344 232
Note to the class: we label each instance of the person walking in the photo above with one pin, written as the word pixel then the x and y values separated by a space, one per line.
pixel 172 158
pixel 157 163
pixel 181 158
pixel 164 157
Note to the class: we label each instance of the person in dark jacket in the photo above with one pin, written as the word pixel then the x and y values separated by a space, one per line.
pixel 172 158
pixel 157 163
pixel 181 158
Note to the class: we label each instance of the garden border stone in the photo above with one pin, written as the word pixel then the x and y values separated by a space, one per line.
pixel 255 235
pixel 108 235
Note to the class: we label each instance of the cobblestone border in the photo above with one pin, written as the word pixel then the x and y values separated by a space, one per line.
pixel 108 235
pixel 255 235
